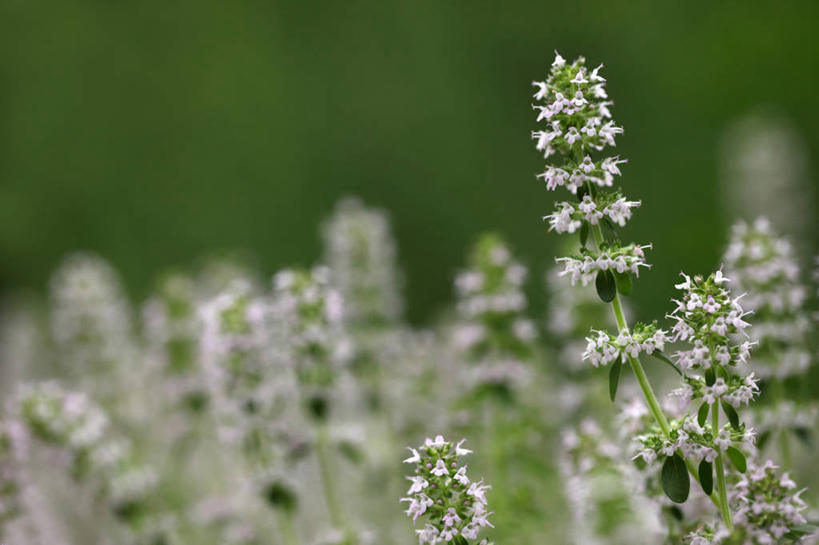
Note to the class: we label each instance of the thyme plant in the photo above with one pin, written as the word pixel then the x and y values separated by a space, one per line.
pixel 579 130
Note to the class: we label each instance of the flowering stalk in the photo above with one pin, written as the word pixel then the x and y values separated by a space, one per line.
pixel 573 102
pixel 311 316
pixel 441 492
pixel 764 268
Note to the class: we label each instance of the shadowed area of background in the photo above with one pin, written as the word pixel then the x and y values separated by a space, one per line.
pixel 155 132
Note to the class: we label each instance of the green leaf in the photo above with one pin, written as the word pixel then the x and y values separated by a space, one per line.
pixel 706 473
pixel 702 414
pixel 732 415
pixel 721 372
pixel 624 283
pixel 709 377
pixel 676 483
pixel 675 512
pixel 737 458
pixel 609 231
pixel 798 532
pixel 351 451
pixel 660 355
pixel 584 233
pixel 614 378
pixel 606 287
pixel 762 439
pixel 805 435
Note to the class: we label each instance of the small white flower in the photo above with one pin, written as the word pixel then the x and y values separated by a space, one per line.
pixel 440 469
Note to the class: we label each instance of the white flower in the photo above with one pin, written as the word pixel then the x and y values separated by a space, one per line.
pixel 440 469
pixel 415 458
pixel 595 77
pixel 578 78
pixel 429 534
pixel 542 90
pixel 461 477
pixel 450 518
pixel 418 484
pixel 460 451
pixel 438 443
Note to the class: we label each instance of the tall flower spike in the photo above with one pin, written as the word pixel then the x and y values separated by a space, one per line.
pixel 493 331
pixel 764 269
pixel 90 316
pixel 246 390
pixel 71 422
pixel 360 253
pixel 452 507
pixel 573 103
pixel 171 328
pixel 310 315
pixel 765 170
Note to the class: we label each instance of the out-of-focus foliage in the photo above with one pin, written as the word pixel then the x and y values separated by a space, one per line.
pixel 154 133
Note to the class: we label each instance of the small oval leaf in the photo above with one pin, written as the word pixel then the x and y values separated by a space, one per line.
pixel 614 378
pixel 737 458
pixel 762 439
pixel 804 435
pixel 676 483
pixel 709 377
pixel 660 355
pixel 702 414
pixel 624 283
pixel 584 233
pixel 606 287
pixel 732 415
pixel 706 473
pixel 609 232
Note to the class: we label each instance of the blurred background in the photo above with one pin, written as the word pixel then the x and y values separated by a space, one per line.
pixel 155 133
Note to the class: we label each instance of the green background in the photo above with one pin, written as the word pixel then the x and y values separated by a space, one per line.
pixel 155 132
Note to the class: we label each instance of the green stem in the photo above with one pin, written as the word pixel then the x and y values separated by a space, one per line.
pixel 642 379
pixel 778 396
pixel 725 511
pixel 496 452
pixel 330 495
pixel 285 523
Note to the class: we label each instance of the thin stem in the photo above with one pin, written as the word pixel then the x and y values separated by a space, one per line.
pixel 778 395
pixel 642 379
pixel 285 523
pixel 720 467
pixel 327 482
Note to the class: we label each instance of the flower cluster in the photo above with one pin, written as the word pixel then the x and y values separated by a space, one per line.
pixel 310 316
pixel 493 284
pixel 493 331
pixel 765 270
pixel 70 421
pixel 695 441
pixel 569 217
pixel 360 253
pixel 171 328
pixel 604 348
pixel 584 267
pixel 707 317
pixel 453 506
pixel 572 102
pixel 769 506
pixel 239 356
pixel 90 316
pixel 732 389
